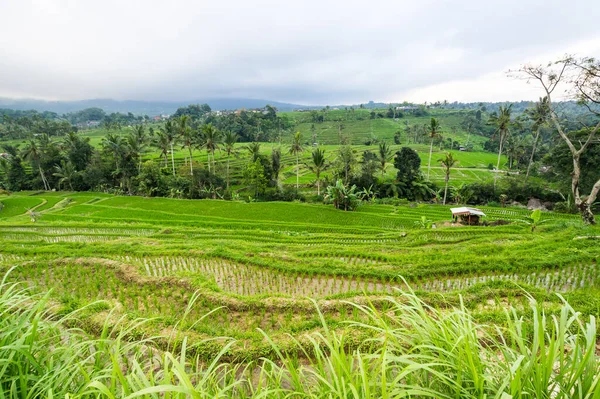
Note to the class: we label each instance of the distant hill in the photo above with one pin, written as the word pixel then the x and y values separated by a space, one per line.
pixel 149 108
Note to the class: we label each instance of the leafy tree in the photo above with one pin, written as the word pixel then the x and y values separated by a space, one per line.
pixel 318 165
pixel 342 197
pixel 433 132
pixel 16 179
pixel 408 163
pixel 254 175
pixel 447 163
pixel 296 149
pixel 582 76
pixel 194 111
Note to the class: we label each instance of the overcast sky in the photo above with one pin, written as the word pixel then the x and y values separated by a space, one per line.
pixel 308 52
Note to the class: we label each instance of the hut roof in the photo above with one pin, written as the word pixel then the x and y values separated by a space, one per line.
pixel 466 211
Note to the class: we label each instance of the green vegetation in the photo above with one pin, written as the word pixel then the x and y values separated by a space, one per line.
pixel 147 258
pixel 294 275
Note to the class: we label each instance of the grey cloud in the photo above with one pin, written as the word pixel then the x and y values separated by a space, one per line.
pixel 309 52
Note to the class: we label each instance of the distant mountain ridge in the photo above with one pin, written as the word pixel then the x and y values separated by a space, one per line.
pixel 149 108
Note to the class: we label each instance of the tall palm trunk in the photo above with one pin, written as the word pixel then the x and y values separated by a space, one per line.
pixel 172 158
pixel 297 172
pixel 500 150
pixel 429 163
pixel 446 188
pixel 535 141
pixel 227 171
pixel 208 159
pixel 191 165
pixel 318 182
pixel 44 181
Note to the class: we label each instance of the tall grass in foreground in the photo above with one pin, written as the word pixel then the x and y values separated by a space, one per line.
pixel 416 352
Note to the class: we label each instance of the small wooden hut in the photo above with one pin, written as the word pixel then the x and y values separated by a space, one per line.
pixel 468 216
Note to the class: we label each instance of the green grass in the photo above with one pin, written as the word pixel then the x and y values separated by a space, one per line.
pixel 414 350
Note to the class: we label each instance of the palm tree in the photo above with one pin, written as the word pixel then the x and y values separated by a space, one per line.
pixel 540 115
pixel 161 141
pixel 276 163
pixel 254 150
pixel 229 145
pixel 113 144
pixel 502 121
pixel 447 163
pixel 171 134
pixel 136 144
pixel 319 164
pixel 384 155
pixel 66 173
pixel 433 131
pixel 33 153
pixel 210 141
pixel 187 136
pixel 296 148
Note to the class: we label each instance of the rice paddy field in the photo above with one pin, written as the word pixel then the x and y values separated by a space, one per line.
pixel 216 269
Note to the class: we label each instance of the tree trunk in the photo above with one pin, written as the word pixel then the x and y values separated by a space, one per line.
pixel 429 163
pixel 46 186
pixel 297 173
pixel 535 140
pixel 173 158
pixel 318 184
pixel 446 188
pixel 227 171
pixel 586 213
pixel 191 164
pixel 500 151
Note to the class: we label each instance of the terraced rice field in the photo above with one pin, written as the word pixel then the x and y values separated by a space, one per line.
pixel 255 266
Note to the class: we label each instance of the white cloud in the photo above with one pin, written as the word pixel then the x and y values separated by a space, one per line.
pixel 309 52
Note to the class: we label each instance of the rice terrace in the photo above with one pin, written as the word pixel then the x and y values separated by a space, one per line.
pixel 199 200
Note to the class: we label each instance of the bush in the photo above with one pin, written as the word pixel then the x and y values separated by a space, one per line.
pixel 287 194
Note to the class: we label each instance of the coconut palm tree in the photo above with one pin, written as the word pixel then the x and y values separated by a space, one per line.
pixel 161 142
pixel 171 134
pixel 113 144
pixel 66 173
pixel 296 149
pixel 210 141
pixel 503 122
pixel 33 153
pixel 276 163
pixel 254 150
pixel 319 164
pixel 447 163
pixel 187 137
pixel 540 115
pixel 433 130
pixel 384 155
pixel 229 145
